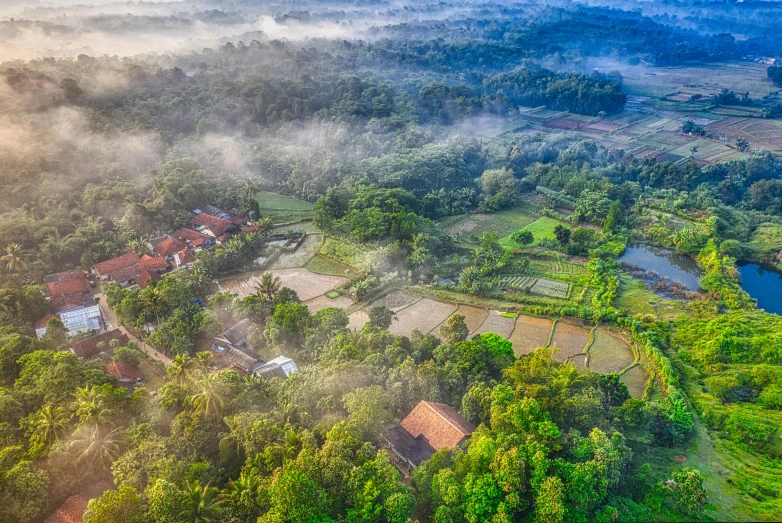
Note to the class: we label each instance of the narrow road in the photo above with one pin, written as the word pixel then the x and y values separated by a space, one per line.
pixel 111 320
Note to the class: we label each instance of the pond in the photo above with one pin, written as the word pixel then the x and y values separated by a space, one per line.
pixel 665 262
pixel 764 285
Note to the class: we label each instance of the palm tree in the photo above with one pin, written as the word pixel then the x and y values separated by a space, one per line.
pixel 15 257
pixel 49 425
pixel 90 406
pixel 137 246
pixel 152 298
pixel 201 504
pixel 209 399
pixel 268 285
pixel 204 362
pixel 98 445
pixel 241 492
pixel 248 189
pixel 158 188
pixel 265 226
pixel 181 369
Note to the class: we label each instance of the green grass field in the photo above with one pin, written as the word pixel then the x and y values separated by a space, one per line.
pixel 503 222
pixel 281 208
pixel 541 229
pixel 320 265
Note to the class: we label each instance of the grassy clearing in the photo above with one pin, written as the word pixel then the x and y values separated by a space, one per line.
pixel 343 251
pixel 281 208
pixel 609 353
pixel 541 229
pixel 152 380
pixel 321 265
pixel 503 222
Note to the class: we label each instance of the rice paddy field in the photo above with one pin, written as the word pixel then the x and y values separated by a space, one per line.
pixel 324 302
pixel 307 284
pixel 529 334
pixel 473 317
pixel 609 353
pixel 503 222
pixel 635 378
pixel 497 324
pixel 568 340
pixel 282 209
pixel 424 316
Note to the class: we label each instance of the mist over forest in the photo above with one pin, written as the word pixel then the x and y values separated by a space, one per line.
pixel 390 261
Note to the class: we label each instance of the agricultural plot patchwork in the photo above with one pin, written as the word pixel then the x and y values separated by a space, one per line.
pixel 497 324
pixel 290 259
pixel 529 334
pixel 502 222
pixel 424 315
pixel 473 317
pixel 568 340
pixel 550 288
pixel 609 353
pixel 307 284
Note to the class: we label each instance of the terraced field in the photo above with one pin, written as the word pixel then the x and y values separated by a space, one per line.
pixel 530 333
pixel 498 324
pixel 551 288
pixel 569 340
pixel 423 316
pixel 609 353
pixel 635 379
pixel 473 317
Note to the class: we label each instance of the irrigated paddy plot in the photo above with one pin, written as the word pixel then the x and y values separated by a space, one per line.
pixel 497 324
pixel 307 285
pixel 530 333
pixel 290 259
pixel 569 340
pixel 423 315
pixel 579 360
pixel 395 301
pixel 609 353
pixel 473 317
pixel 324 302
pixel 635 379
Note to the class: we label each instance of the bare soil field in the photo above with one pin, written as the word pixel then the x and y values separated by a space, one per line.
pixel 569 340
pixel 324 302
pixel 307 284
pixel 635 379
pixel 358 319
pixel 473 317
pixel 609 353
pixel 497 324
pixel 423 315
pixel 395 301
pixel 530 333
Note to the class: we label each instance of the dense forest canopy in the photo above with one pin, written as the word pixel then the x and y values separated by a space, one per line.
pixel 479 159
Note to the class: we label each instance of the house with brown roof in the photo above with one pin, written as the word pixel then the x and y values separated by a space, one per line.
pixel 212 225
pixel 71 511
pixel 104 269
pixel 63 276
pixel 184 259
pixel 90 347
pixel 126 374
pixel 194 239
pixel 428 428
pixel 169 247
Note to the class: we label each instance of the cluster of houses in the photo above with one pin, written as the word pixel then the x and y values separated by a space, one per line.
pixel 231 351
pixel 765 60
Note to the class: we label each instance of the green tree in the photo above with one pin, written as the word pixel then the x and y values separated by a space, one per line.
pixel 201 504
pixel 381 317
pixel 689 492
pixel 48 425
pixel 123 505
pixel 562 234
pixel 210 397
pixel 522 237
pixel 268 285
pixel 454 330
pixel 15 258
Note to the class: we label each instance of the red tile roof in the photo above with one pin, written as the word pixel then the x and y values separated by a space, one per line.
pixel 72 511
pixel 87 348
pixel 218 226
pixel 63 276
pixel 144 277
pixel 115 264
pixel 63 302
pixel 190 235
pixel 157 264
pixel 438 423
pixel 122 370
pixel 185 257
pixel 70 286
pixel 126 274
pixel 169 247
pixel 40 324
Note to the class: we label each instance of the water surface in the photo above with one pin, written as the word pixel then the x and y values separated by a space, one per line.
pixel 764 285
pixel 665 262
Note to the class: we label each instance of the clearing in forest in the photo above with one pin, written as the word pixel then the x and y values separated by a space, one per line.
pixel 497 324
pixel 609 353
pixel 424 315
pixel 635 379
pixel 530 333
pixel 307 285
pixel 569 340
